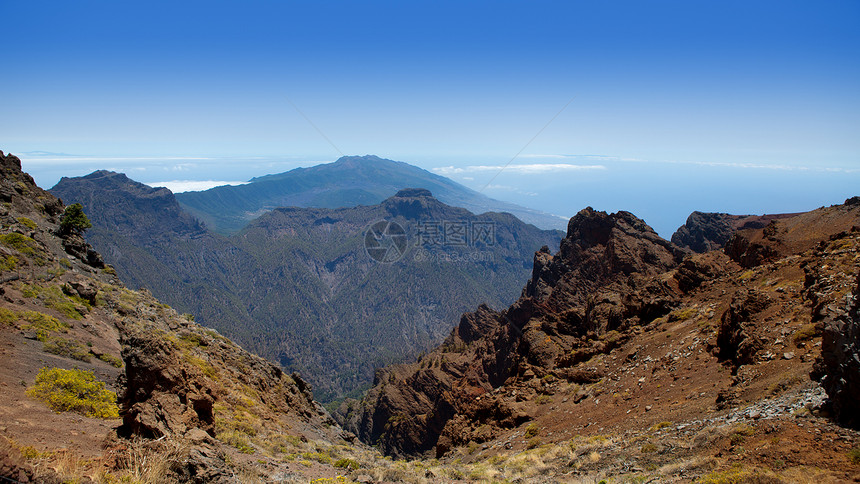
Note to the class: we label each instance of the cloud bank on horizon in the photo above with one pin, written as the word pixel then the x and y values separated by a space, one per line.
pixel 180 186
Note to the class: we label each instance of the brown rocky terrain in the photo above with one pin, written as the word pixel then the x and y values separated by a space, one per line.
pixel 707 231
pixel 625 358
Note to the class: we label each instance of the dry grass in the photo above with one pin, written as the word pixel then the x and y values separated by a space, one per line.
pixel 147 462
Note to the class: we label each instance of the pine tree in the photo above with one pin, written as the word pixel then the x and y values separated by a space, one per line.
pixel 74 220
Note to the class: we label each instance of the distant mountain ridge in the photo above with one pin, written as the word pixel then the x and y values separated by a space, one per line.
pixel 350 181
pixel 297 285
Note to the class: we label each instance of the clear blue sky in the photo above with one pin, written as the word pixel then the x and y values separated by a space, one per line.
pixel 728 106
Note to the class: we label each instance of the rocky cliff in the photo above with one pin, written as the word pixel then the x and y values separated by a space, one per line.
pixel 706 231
pixel 838 368
pixel 620 341
pixel 603 279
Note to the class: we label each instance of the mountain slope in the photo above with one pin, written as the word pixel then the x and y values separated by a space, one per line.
pixel 644 363
pixel 192 406
pixel 715 391
pixel 348 182
pixel 102 384
pixel 297 285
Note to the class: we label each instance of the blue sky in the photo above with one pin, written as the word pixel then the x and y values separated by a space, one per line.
pixel 677 106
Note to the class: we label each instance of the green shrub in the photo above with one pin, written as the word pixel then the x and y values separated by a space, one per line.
pixel 204 366
pixel 8 263
pixel 805 333
pixel 737 439
pixel 238 440
pixel 43 324
pixel 30 453
pixel 348 464
pixel 736 475
pixel 74 391
pixel 683 314
pixel 27 223
pixel 193 339
pixel 532 430
pixel 542 399
pixel 114 361
pixel 54 298
pixel 854 455
pixel 317 456
pixel 659 426
pixel 8 317
pixel 612 337
pixel 68 348
pixel 21 243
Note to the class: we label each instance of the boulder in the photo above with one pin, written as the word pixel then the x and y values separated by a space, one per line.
pixel 838 368
pixel 736 341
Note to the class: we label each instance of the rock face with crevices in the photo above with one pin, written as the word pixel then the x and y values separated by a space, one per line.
pixel 707 231
pixel 736 340
pixel 601 280
pixel 177 372
pixel 838 368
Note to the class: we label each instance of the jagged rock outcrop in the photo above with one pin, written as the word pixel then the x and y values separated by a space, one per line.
pixel 164 394
pixel 19 190
pixel 735 341
pixel 838 368
pixel 755 247
pixel 789 234
pixel 707 231
pixel 696 269
pixel 704 232
pixel 602 279
pixel 175 374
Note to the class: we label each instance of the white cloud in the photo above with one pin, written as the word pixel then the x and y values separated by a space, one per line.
pixel 740 165
pixel 523 169
pixel 579 157
pixel 768 166
pixel 179 186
